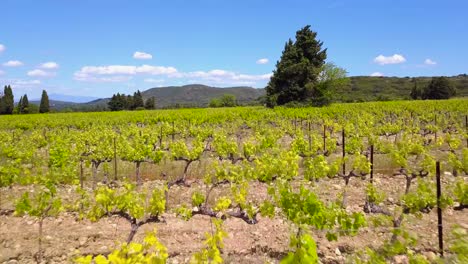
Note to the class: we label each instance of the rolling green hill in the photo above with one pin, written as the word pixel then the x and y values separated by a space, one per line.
pixel 365 88
pixel 360 88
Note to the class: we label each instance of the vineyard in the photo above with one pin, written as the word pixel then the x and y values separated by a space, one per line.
pixel 348 183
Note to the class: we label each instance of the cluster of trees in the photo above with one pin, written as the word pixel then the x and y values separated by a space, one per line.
pixel 7 103
pixel 227 100
pixel 302 76
pixel 438 88
pixel 128 102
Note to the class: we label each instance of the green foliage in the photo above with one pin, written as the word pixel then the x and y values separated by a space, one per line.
pixel 269 167
pixel 227 100
pixel 41 203
pixel 150 251
pixel 7 104
pixel 459 245
pixel 44 106
pixel 197 198
pixel 305 250
pixel 305 208
pixel 373 195
pixel 150 103
pixel 297 71
pixel 318 168
pixel 424 197
pixel 439 88
pixel 460 192
pixel 330 79
pixel 128 201
pixel 211 253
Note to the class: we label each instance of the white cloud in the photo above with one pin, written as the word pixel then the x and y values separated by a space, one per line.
pixel 2 48
pixel 150 80
pixel 139 55
pixel 79 76
pixel 2 72
pixel 19 83
pixel 429 62
pixel 13 63
pixel 49 65
pixel 126 70
pixel 377 74
pixel 262 61
pixel 227 77
pixel 40 73
pixel 122 73
pixel 394 59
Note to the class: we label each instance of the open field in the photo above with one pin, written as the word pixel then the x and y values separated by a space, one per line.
pixel 271 176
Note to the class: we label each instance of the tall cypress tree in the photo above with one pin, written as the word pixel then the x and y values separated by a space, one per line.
pixel 20 103
pixel 44 107
pixel 24 107
pixel 297 71
pixel 7 104
pixel 137 100
pixel 150 103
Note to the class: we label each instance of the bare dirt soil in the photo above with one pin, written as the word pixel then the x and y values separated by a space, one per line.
pixel 65 237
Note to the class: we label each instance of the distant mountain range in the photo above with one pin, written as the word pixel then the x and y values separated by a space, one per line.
pixel 360 88
pixel 69 98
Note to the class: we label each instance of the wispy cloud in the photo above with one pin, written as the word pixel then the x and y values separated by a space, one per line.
pixel 40 73
pixel 20 83
pixel 121 73
pixel 262 61
pixel 139 55
pixel 429 62
pixel 13 63
pixel 377 74
pixel 2 48
pixel 49 65
pixel 394 59
pixel 151 80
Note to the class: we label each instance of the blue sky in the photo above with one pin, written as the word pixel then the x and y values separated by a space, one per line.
pixel 100 47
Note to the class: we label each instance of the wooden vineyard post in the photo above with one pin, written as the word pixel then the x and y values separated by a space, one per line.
pixel 372 164
pixel 81 174
pixel 439 211
pixel 324 138
pixel 115 160
pixel 310 138
pixel 173 131
pixel 160 137
pixel 466 128
pixel 344 150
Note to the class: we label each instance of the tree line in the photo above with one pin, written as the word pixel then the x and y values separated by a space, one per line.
pixel 438 88
pixel 128 102
pixel 303 77
pixel 7 103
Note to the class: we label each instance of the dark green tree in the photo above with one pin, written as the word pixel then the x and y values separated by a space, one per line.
pixel 18 107
pixel 137 101
pixel 330 79
pixel 228 100
pixel 128 101
pixel 416 92
pixel 150 103
pixel 118 102
pixel 44 107
pixel 24 106
pixel 439 88
pixel 215 102
pixel 297 71
pixel 7 104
